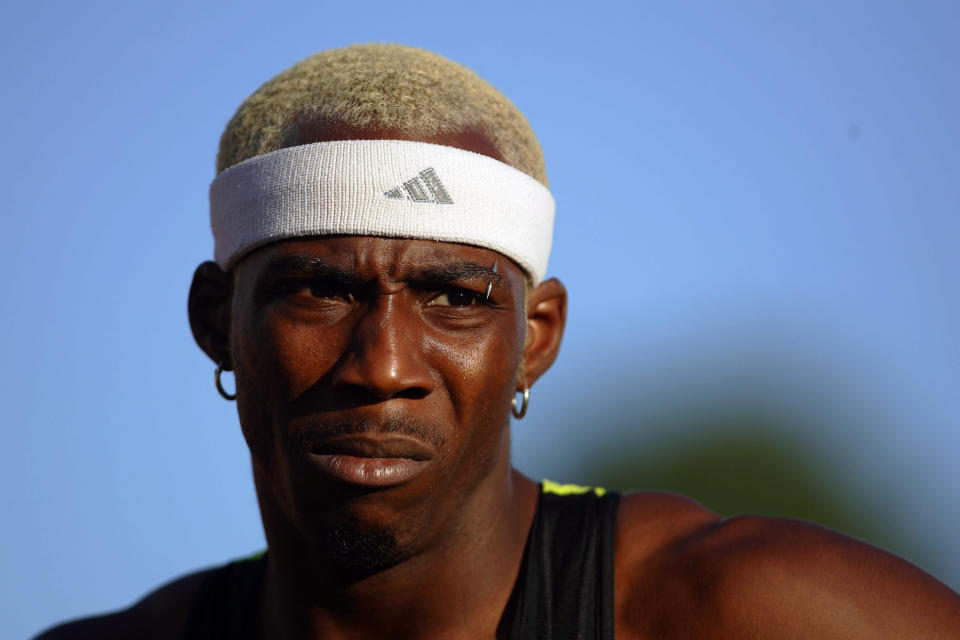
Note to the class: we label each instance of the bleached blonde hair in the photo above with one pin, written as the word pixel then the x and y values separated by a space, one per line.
pixel 382 85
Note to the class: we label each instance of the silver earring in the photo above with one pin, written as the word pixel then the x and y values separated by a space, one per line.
pixel 523 407
pixel 223 392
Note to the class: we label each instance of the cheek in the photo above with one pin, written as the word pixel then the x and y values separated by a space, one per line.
pixel 276 361
pixel 283 359
pixel 479 371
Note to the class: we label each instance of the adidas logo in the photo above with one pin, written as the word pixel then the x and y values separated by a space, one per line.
pixel 414 189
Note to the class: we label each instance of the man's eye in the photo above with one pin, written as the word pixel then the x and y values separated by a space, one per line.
pixel 321 290
pixel 455 299
pixel 318 290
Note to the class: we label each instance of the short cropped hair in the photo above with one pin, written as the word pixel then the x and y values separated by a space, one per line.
pixel 385 85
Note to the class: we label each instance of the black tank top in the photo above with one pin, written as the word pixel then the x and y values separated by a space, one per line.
pixel 564 589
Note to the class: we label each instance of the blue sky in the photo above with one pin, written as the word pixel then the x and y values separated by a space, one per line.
pixel 765 178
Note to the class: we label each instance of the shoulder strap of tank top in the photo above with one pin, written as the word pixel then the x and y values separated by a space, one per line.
pixel 565 586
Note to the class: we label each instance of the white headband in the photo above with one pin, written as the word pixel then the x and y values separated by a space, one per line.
pixel 391 188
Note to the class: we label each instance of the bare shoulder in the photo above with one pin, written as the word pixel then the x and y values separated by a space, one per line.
pixel 648 521
pixel 700 576
pixel 160 614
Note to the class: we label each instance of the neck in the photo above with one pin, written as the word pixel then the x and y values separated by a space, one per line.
pixel 457 581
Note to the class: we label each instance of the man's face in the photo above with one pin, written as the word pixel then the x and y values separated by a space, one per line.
pixel 374 381
pixel 375 376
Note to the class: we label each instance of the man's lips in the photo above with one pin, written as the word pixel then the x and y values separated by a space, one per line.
pixel 370 461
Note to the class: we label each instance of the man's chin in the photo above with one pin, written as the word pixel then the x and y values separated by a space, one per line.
pixel 360 550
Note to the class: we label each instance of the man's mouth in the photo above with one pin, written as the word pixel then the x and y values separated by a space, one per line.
pixel 370 461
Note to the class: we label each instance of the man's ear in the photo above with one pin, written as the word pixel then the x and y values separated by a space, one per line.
pixel 546 319
pixel 211 294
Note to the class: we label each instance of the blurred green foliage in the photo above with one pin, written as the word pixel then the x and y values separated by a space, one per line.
pixel 746 460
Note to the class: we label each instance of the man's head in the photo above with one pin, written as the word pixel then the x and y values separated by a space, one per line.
pixel 375 370
pixel 398 90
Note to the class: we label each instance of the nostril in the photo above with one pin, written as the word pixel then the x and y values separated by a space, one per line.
pixel 360 394
pixel 413 393
pixel 356 394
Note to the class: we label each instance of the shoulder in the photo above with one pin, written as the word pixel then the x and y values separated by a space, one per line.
pixel 698 575
pixel 160 614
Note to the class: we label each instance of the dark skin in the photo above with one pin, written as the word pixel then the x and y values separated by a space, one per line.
pixel 398 339
pixel 380 340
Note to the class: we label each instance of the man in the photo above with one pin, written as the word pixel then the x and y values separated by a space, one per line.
pixel 382 227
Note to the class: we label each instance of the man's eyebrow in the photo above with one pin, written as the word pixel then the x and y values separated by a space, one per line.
pixel 459 271
pixel 309 266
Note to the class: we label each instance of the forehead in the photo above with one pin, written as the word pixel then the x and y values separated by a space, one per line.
pixel 370 257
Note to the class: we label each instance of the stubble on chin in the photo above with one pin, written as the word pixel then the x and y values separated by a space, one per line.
pixel 359 551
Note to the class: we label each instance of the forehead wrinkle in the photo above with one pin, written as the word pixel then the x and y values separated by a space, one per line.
pixel 379 260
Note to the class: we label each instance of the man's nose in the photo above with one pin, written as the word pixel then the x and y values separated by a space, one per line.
pixel 384 358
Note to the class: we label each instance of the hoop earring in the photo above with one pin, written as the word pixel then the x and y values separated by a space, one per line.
pixel 523 407
pixel 216 379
